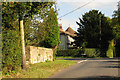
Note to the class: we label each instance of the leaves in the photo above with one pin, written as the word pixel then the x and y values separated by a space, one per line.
pixel 94 30
pixel 11 51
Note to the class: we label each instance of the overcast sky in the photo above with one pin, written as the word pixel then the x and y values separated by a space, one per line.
pixel 105 6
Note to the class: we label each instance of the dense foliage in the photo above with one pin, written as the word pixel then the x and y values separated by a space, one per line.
pixel 116 28
pixel 110 51
pixel 53 38
pixel 15 11
pixel 37 18
pixel 87 52
pixel 11 51
pixel 70 52
pixel 94 31
pixel 92 52
pixel 43 32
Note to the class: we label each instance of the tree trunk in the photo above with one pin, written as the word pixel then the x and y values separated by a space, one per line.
pixel 54 48
pixel 23 45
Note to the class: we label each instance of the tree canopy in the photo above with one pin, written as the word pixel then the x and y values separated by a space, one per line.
pixel 94 30
pixel 53 38
pixel 14 11
pixel 116 29
pixel 36 31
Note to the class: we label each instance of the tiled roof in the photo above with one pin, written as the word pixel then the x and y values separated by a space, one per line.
pixel 70 30
pixel 66 32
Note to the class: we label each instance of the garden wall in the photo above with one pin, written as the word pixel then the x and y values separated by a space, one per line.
pixel 38 54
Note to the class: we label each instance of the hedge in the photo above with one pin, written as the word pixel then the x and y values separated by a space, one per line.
pixel 110 49
pixel 70 52
pixel 90 52
pixel 11 51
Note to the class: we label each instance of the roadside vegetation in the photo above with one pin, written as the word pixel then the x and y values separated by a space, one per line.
pixel 40 33
pixel 78 53
pixel 41 70
pixel 93 30
pixel 97 36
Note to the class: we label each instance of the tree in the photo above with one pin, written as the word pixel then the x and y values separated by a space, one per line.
pixel 53 38
pixel 44 30
pixel 94 31
pixel 116 29
pixel 18 11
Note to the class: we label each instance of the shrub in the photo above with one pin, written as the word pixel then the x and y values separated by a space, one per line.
pixel 110 49
pixel 11 51
pixel 70 52
pixel 92 52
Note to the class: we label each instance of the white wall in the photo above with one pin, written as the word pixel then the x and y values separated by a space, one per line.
pixel 65 39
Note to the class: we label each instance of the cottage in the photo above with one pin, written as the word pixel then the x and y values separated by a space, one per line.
pixel 66 38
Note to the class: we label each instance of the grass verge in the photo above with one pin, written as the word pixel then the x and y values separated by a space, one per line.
pixel 42 70
pixel 74 57
pixel 64 57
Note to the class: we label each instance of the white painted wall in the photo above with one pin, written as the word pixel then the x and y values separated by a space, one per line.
pixel 65 39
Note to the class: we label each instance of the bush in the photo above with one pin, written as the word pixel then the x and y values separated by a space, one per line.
pixel 92 52
pixel 70 52
pixel 110 49
pixel 11 51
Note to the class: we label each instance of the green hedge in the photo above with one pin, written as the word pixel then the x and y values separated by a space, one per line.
pixel 11 51
pixel 70 52
pixel 90 52
pixel 110 50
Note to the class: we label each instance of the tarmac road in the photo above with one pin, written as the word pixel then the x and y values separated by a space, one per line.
pixel 89 69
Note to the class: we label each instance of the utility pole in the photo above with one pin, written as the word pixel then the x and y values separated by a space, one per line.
pixel 23 44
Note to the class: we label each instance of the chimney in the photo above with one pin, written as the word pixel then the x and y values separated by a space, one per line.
pixel 60 26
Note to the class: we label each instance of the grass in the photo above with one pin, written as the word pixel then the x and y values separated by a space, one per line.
pixel 42 70
pixel 73 57
pixel 64 57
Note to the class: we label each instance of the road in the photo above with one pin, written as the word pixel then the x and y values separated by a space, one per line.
pixel 87 69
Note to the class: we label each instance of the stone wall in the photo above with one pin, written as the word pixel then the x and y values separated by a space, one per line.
pixel 38 54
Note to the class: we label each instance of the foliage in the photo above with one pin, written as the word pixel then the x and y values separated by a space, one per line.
pixel 35 31
pixel 110 49
pixel 42 70
pixel 13 12
pixel 89 52
pixel 0 48
pixel 116 29
pixel 92 52
pixel 94 31
pixel 23 10
pixel 70 52
pixel 53 38
pixel 45 32
pixel 11 51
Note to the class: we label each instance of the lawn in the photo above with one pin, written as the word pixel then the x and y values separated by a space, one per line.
pixel 42 70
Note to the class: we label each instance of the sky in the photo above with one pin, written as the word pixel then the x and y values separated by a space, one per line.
pixel 107 8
